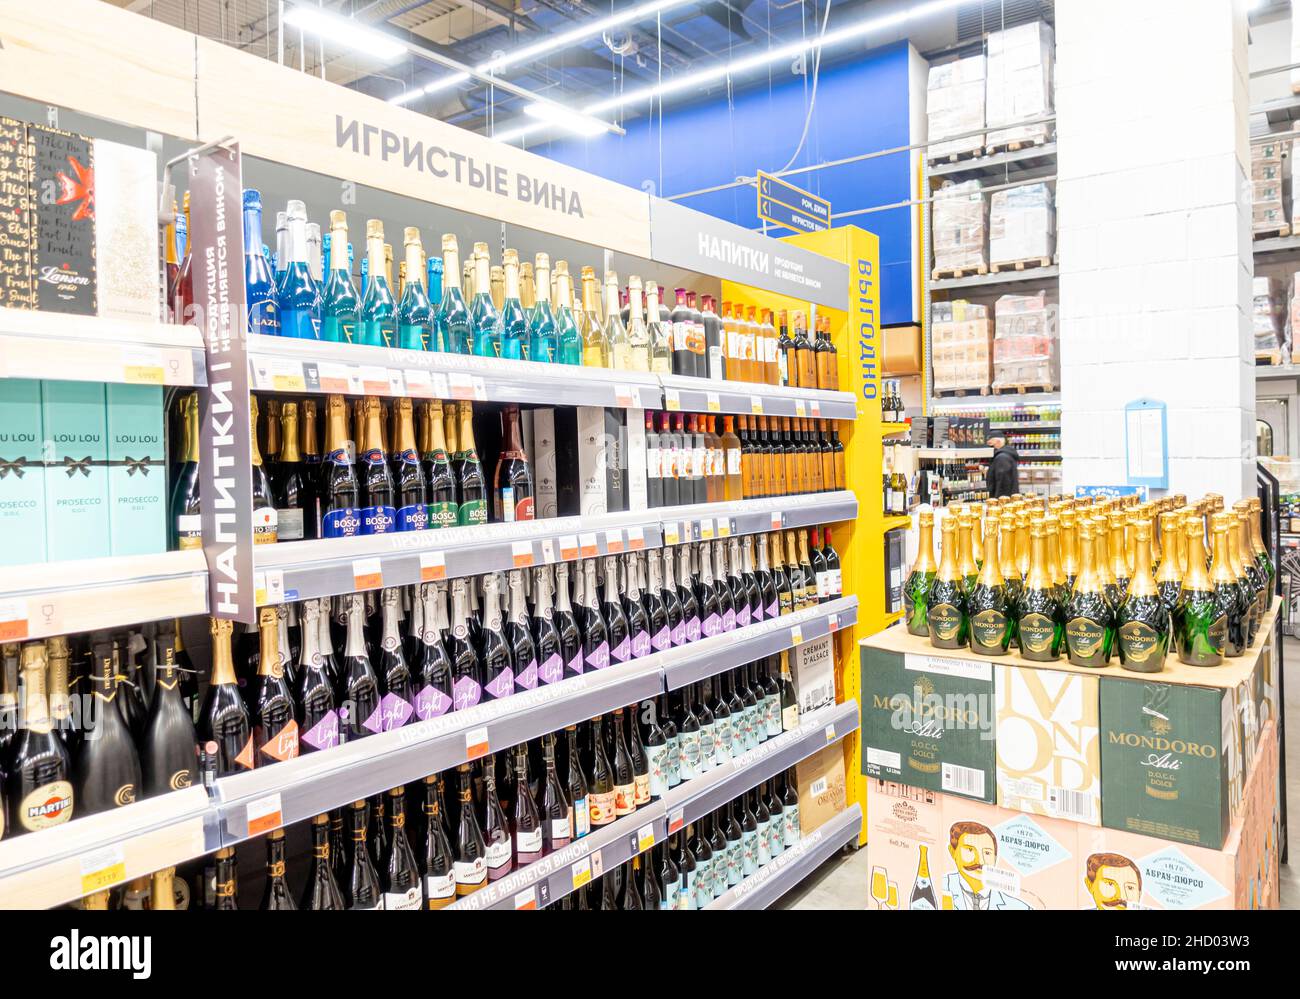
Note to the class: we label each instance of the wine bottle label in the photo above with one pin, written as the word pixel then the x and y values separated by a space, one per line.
pixel 735 862
pixel 506 504
pixel 1037 632
pixel 265 530
pixel 441 515
pixel 337 330
pixel 580 817
pixel 413 518
pixel 836 583
pixel 551 669
pixel 712 626
pixel 640 644
pixel 625 798
pixel 1138 641
pixel 1217 633
pixel 790 823
pixel 705 875
pixel 465 693
pixel 657 779
pixel 378 332
pixel 574 666
pixel 439 890
pixel 378 519
pixel 622 651
pixel 641 790
pixel 289 523
pixel 773 610
pixel 284 744
pixel 528 845
pixel 672 761
pixel 681 335
pixel 668 900
pixel 790 718
pixel 686 891
pixel 324 734
pixel 394 711
pixel 600 807
pixel 987 629
pixel 729 619
pixel 598 658
pixel 526 678
pixel 244 759
pixel 945 621
pixel 653 463
pixel 1085 638
pixel 689 756
pixel 723 740
pixel 662 639
pixel 469 875
pixel 189 531
pixel 763 844
pixel 431 702
pixel 743 616
pixel 823 585
pixel 499 856
pixel 559 830
pixel 715 361
pixel 502 685
pixel 472 512
pixel 776 836
pixel 344 523
pixel 409 899
pixel 733 460
pixel 773 715
pixel 678 633
pixel 708 748
pixel 49 805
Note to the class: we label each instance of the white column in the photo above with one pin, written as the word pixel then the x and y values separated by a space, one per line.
pixel 1153 206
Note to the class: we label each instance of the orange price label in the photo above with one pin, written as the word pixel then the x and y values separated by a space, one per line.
pixel 264 814
pixel 367 574
pixel 568 547
pixel 13 620
pixel 587 545
pixel 522 553
pixel 476 743
pixel 433 566
pixel 613 542
pixel 635 539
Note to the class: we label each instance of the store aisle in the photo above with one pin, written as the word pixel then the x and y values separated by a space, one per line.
pixel 841 882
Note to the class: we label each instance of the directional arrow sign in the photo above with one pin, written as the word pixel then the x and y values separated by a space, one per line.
pixel 786 205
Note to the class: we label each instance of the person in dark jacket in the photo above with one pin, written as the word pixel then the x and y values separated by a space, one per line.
pixel 1004 469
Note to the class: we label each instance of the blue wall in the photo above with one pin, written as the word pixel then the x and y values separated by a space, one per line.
pixel 862 106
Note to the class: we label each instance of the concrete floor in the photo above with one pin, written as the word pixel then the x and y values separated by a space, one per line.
pixel 841 882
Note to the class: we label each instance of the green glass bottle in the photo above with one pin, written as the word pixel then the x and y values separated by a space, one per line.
pixel 570 337
pixel 378 326
pixel 1260 553
pixel 415 314
pixel 543 332
pixel 1200 626
pixel 1142 622
pixel 485 321
pixel 1119 570
pixel 965 558
pixel 1169 577
pixel 514 321
pixel 1249 577
pixel 451 324
pixel 1069 544
pixel 1006 556
pixel 992 617
pixel 916 591
pixel 1229 597
pixel 945 606
pixel 1089 619
pixel 340 306
pixel 1040 620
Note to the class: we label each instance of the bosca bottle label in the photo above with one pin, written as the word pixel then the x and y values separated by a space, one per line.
pixel 1037 632
pixel 442 515
pixel 49 805
pixel 344 523
pixel 945 622
pixel 1140 645
pixel 988 628
pixel 1087 640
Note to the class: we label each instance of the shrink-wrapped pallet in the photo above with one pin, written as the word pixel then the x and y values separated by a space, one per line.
pixel 1268 210
pixel 1026 346
pixel 961 338
pixel 959 228
pixel 954 104
pixel 1019 84
pixel 1022 224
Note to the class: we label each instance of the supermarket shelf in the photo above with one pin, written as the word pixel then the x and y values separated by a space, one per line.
pixel 1276 244
pixel 956 406
pixel 995 162
pixel 953 453
pixel 36 344
pixel 1276 372
pixel 295 790
pixel 786 871
pixel 753 516
pixel 99 851
pixel 565 871
pixel 709 656
pixel 1027 276
pixel 886 429
pixel 702 395
pixel 692 799
pixel 900 520
pixel 58 598
pixel 1033 455
pixel 1012 428
pixel 280 364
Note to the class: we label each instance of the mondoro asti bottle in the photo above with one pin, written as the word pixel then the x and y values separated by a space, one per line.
pixel 916 591
pixel 1142 621
pixel 1200 625
pixel 992 618
pixel 946 609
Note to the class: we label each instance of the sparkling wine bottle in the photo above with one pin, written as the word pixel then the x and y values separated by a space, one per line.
pixel 576 787
pixel 169 759
pixel 547 643
pixel 397 703
pixel 364 891
pixel 519 635
pixel 496 830
pixel 361 710
pixel 322 889
pixel 275 728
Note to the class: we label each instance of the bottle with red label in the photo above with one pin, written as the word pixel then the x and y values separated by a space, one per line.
pixel 513 489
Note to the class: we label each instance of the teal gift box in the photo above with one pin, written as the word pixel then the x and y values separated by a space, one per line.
pixel 137 471
pixel 76 470
pixel 22 475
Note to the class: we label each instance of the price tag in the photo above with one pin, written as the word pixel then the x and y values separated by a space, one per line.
pixel 672 399
pixel 142 367
pixel 261 375
pixel 396 383
pixel 587 545
pixel 706 530
pixel 439 385
pixel 522 554
pixel 433 566
pixel 476 743
pixel 526 899
pixel 581 873
pixel 635 539
pixel 756 405
pixel 374 381
pixel 548 550
pixel 796 635
pixel 460 385
pixel 671 534
pixel 355 384
pixel 816 408
pixel 286 375
pixel 724 527
pixel 367 574
pixel 268 587
pixel 676 820
pixel 13 619
pixel 830 732
pixel 833 622
pixel 613 542
pixel 623 396
pixel 102 868
pixel 713 402
pixel 334 378
pixel 799 409
pixel 568 547
pixel 419 383
pixel 775 521
pixel 645 838
pixel 264 814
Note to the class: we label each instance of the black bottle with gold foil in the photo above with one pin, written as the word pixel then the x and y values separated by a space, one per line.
pixel 1040 618
pixel 1142 621
pixel 916 590
pixel 1089 619
pixel 1200 619
pixel 992 618
pixel 1230 600
pixel 946 610
pixel 1249 577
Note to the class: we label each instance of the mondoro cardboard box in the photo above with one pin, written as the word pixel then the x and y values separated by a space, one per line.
pixel 1048 746
pixel 928 721
pixel 823 789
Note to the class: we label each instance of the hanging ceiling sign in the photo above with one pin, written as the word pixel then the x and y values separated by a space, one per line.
pixel 786 205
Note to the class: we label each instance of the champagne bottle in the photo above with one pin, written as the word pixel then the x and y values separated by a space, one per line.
pixel 162 893
pixel 433 697
pixel 470 866
pixel 601 792
pixel 297 294
pixel 378 317
pixel 225 887
pixel 1007 558
pixel 186 498
pixel 340 304
pixel 397 702
pixel 259 280
pixel 498 664
pixel 922 896
pixel 364 891
pixel 1142 621
pixel 339 489
pixel 473 484
pixel 275 730
pixel 1228 597
pixel 946 607
pixel 322 890
pixel 1041 622
pixel 595 633
pixel 37 774
pixel 107 765
pixel 318 719
pixel 276 896
pixel 440 485
pixel 467 689
pixel 414 312
pixel 401 878
pixel 1089 621
pixel 566 623
pixel 1251 574
pixel 361 711
pixel 265 527
pixel 438 869
pixel 169 760
pixel 992 617
pixel 496 829
pixel 451 323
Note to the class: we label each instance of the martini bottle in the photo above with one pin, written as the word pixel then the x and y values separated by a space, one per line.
pixel 568 336
pixel 992 619
pixel 515 343
pixel 946 608
pixel 543 332
pixel 1089 620
pixel 415 314
pixel 1200 623
pixel 485 321
pixel 916 591
pixel 378 306
pixel 1142 622
pixel 1231 601
pixel 1040 621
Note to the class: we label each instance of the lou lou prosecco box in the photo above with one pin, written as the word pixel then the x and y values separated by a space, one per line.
pixel 22 477
pixel 928 721
pixel 1048 742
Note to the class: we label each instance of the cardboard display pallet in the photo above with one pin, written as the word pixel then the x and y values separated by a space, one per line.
pixel 1014 145
pixel 966 154
pixel 1021 389
pixel 1270 231
pixel 1269 358
pixel 971 390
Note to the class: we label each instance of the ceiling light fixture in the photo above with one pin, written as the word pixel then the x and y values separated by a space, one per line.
pixel 442 83
pixel 570 121
pixel 346 33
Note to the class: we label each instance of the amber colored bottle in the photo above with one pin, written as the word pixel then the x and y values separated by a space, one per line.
pixel 733 461
pixel 805 361
pixel 837 446
pixel 785 350
pixel 773 467
pixel 771 366
pixel 826 455
pixel 793 480
pixel 834 359
pixel 714 479
pixel 822 356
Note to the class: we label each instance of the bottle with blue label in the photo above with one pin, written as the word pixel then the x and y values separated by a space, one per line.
pixel 485 320
pixel 378 306
pixel 297 294
pixel 514 321
pixel 543 333
pixel 433 289
pixel 340 304
pixel 340 492
pixel 451 323
pixel 379 514
pixel 259 281
pixel 408 472
pixel 568 336
pixel 415 314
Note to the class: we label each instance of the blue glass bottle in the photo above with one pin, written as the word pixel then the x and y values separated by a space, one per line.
pixel 514 322
pixel 340 304
pixel 325 255
pixel 566 325
pixel 297 294
pixel 451 324
pixel 543 333
pixel 415 314
pixel 378 306
pixel 485 321
pixel 281 256
pixel 433 288
pixel 259 282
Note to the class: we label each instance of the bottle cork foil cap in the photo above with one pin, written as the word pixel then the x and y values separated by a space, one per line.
pixel 374 229
pixel 411 234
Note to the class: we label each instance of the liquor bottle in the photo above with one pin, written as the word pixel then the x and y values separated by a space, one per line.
pixel 225 889
pixel 513 490
pixel 275 729
pixel 378 316
pixel 473 485
pixel 439 863
pixel 1228 627
pixel 259 281
pixel 543 326
pixel 946 607
pixel 470 865
pixel 339 490
pixel 265 531
pixel 414 311
pixel 499 846
pixel 440 486
pixel 107 766
pixel 567 331
pixel 37 773
pixel 364 890
pixel 318 721
pixel 714 341
pixel 397 685
pixel 1142 621
pixel 322 890
pixel 682 332
pixel 1089 618
pixel 225 718
pixel 360 687
pixel 511 329
pixel 297 295
pixel 1041 616
pixel 451 321
pixel 340 304
pixel 275 894
pixel 595 344
pixel 992 618
pixel 186 500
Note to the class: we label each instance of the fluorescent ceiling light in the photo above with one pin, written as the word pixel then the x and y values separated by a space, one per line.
pixel 442 83
pixel 589 29
pixel 570 121
pixel 346 33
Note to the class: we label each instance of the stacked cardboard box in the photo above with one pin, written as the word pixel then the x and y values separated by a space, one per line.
pixel 961 337
pixel 955 105
pixel 1265 313
pixel 1019 88
pixel 1268 214
pixel 1022 224
pixel 1026 344
pixel 960 227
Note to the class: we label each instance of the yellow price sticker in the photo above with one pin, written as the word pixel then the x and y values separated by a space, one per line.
pixel 581 873
pixel 714 403
pixel 756 405
pixel 672 400
pixel 142 374
pixel 645 838
pixel 102 869
pixel 799 408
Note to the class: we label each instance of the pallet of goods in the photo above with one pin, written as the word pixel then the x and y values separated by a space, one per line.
pixel 1268 212
pixel 960 230
pixel 1022 228
pixel 955 106
pixel 1266 322
pixel 1026 344
pixel 1019 86
pixel 961 338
